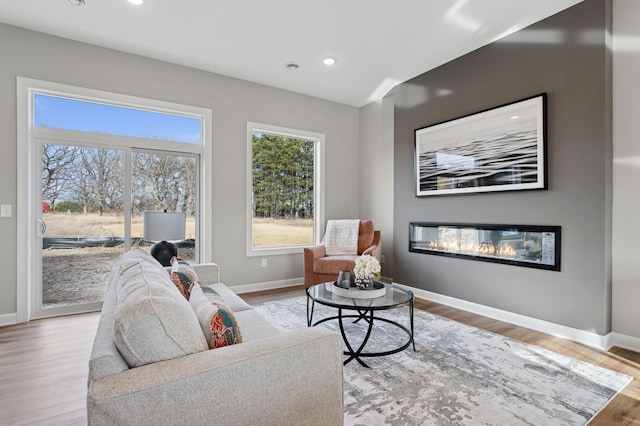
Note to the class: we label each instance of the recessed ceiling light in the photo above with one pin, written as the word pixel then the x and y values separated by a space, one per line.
pixel 77 2
pixel 514 117
pixel 329 61
pixel 292 66
pixel 136 2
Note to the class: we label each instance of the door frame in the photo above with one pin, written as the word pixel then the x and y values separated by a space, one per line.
pixel 29 167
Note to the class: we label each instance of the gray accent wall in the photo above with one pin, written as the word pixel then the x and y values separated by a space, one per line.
pixel 233 102
pixel 566 56
pixel 626 168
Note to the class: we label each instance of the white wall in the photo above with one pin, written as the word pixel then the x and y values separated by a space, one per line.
pixel 233 102
pixel 626 168
pixel 376 173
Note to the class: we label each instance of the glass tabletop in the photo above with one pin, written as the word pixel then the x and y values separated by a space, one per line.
pixel 394 297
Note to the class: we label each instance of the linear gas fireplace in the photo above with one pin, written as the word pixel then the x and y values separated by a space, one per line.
pixel 521 245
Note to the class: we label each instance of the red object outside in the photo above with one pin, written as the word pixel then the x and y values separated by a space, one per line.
pixel 46 207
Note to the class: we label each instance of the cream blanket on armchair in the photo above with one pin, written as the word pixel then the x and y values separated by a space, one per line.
pixel 341 236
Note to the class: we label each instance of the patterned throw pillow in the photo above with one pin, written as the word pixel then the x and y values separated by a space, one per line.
pixel 211 294
pixel 217 321
pixel 183 275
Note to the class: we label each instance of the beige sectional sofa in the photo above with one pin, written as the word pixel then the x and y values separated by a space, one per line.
pixel 271 378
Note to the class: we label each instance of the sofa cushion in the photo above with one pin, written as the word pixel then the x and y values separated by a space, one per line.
pixel 365 235
pixel 152 321
pixel 334 264
pixel 255 327
pixel 232 300
pixel 105 358
pixel 183 275
pixel 129 258
pixel 217 321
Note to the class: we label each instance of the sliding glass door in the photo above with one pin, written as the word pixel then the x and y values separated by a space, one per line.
pixel 86 222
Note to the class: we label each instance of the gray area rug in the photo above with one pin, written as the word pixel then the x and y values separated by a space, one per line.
pixel 458 375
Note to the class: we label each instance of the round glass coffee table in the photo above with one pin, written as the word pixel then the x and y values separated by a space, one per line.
pixel 364 310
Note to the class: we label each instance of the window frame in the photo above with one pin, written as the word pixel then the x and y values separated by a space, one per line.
pixel 318 185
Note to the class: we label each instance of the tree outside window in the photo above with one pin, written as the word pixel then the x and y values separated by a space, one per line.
pixel 283 189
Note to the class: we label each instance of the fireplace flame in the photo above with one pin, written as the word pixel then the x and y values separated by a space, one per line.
pixel 482 249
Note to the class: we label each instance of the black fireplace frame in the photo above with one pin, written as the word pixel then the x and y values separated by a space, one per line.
pixel 522 258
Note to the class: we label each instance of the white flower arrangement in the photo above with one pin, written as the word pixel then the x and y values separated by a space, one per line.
pixel 367 267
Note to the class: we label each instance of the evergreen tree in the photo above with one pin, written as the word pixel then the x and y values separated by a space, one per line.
pixel 282 177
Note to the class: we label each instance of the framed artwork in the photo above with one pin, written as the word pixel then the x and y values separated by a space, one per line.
pixel 499 149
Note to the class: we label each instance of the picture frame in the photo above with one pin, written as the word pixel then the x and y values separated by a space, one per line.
pixel 498 149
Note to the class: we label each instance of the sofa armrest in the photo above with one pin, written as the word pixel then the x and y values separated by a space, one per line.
pixel 290 378
pixel 208 273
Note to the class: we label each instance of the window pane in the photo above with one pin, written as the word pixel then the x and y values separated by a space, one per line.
pixel 82 202
pixel 283 191
pixel 84 116
pixel 165 182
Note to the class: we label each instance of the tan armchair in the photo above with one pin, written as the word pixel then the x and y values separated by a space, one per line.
pixel 320 268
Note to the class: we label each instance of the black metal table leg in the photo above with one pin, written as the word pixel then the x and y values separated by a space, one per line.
pixel 355 354
pixel 411 322
pixel 310 312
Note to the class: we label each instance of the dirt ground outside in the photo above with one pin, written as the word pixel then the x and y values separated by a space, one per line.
pixel 79 275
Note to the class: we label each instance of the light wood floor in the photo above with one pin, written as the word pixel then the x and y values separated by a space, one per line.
pixel 43 364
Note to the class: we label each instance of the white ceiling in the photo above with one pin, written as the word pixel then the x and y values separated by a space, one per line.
pixel 377 44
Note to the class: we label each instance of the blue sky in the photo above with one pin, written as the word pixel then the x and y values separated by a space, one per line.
pixel 63 113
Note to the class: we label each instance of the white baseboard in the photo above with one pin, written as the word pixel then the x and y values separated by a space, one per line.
pixel 625 342
pixel 269 285
pixel 8 319
pixel 580 336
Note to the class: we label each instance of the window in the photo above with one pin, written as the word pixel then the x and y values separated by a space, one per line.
pixel 90 163
pixel 94 117
pixel 284 196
